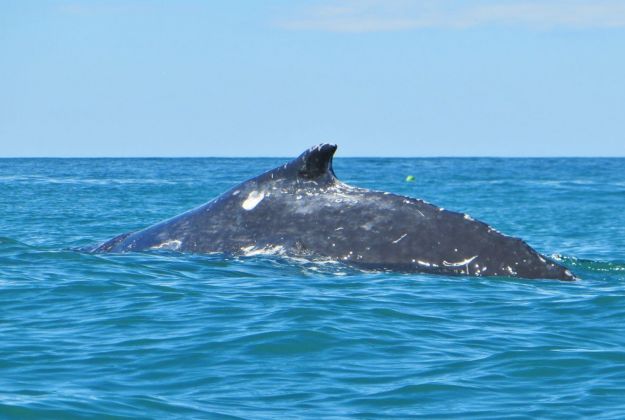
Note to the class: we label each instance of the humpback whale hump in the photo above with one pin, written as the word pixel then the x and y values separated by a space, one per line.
pixel 301 209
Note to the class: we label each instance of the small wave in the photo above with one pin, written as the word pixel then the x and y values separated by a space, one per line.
pixel 591 265
pixel 6 242
pixel 38 179
pixel 281 343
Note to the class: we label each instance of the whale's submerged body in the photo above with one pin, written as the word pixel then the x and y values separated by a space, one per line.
pixel 301 209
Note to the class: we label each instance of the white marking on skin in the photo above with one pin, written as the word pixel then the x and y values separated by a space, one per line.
pixel 173 244
pixel 427 264
pixel 400 238
pixel 339 228
pixel 252 200
pixel 236 192
pixel 250 251
pixel 459 263
pixel 568 273
pixel 419 211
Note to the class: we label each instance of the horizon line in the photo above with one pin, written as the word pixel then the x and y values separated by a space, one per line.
pixel 335 157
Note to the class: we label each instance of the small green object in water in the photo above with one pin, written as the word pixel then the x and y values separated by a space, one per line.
pixel 410 178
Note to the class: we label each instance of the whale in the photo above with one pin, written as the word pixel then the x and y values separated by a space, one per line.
pixel 302 210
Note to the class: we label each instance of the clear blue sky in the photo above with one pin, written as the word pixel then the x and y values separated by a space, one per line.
pixel 272 77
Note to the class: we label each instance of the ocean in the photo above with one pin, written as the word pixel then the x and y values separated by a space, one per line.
pixel 166 335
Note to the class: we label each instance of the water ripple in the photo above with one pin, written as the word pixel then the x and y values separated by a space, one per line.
pixel 166 335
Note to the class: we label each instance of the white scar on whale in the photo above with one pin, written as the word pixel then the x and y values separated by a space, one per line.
pixel 252 200
pixel 400 238
pixel 459 263
pixel 172 244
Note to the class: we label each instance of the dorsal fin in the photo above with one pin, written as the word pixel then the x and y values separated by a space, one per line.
pixel 315 162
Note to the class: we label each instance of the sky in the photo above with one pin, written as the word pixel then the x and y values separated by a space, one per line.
pixel 92 78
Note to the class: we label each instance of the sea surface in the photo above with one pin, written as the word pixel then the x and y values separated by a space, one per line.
pixel 166 335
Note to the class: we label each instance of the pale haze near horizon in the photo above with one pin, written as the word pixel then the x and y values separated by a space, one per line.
pixel 377 77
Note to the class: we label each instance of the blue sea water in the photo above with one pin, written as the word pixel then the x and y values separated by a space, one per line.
pixel 165 335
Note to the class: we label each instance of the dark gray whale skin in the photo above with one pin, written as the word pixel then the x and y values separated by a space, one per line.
pixel 301 209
